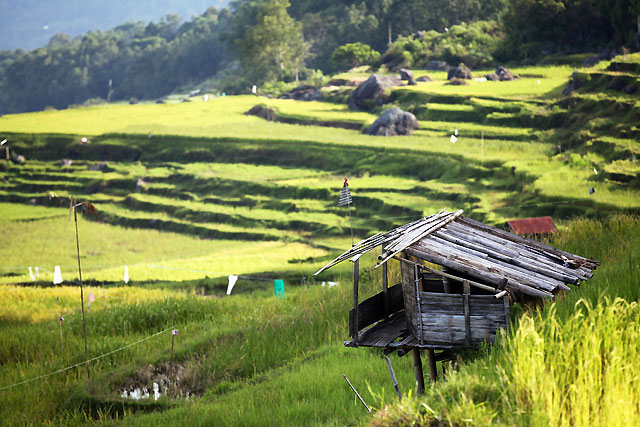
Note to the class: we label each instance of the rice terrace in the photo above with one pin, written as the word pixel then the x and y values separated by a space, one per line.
pixel 281 245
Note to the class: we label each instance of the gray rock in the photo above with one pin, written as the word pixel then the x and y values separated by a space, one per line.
pixel 263 111
pixel 371 91
pixel 437 66
pixel 393 122
pixel 424 79
pixel 303 93
pixel 505 74
pixel 492 77
pixel 18 159
pixel 459 72
pixel 575 82
pixel 457 82
pixel 100 166
pixel 406 74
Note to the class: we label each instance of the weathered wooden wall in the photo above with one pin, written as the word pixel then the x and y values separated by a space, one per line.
pixel 409 294
pixel 443 318
pixel 372 309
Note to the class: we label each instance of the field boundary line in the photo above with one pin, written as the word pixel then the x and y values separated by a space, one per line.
pixel 86 361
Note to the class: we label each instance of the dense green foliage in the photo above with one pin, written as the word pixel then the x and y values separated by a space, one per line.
pixel 550 26
pixel 271 46
pixel 31 23
pixel 472 44
pixel 142 61
pixel 264 41
pixel 353 55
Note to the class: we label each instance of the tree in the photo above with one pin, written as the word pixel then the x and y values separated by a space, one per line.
pixel 273 48
pixel 353 55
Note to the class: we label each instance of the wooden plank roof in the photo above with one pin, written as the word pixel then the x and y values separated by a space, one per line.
pixel 480 251
pixel 528 226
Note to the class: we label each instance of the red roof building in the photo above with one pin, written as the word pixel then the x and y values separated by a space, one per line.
pixel 530 226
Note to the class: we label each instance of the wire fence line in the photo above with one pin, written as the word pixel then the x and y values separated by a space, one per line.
pixel 84 362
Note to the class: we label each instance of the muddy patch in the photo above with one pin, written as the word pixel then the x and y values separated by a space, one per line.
pixel 174 380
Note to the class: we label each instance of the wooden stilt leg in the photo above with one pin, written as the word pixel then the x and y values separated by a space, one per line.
pixel 417 370
pixel 433 372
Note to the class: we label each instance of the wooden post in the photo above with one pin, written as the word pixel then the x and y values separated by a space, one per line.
pixel 356 268
pixel 507 310
pixel 416 273
pixel 393 377
pixel 467 312
pixel 417 370
pixel 433 372
pixel 385 287
pixel 445 281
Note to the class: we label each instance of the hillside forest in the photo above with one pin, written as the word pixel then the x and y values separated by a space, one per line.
pixel 267 42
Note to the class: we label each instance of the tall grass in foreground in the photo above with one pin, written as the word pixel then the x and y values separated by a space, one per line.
pixel 572 363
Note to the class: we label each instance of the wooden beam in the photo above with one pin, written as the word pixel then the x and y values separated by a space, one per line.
pixel 417 370
pixel 450 276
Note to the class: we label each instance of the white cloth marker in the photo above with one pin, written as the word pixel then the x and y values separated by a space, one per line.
pixel 31 274
pixel 453 139
pixel 57 275
pixel 254 89
pixel 37 272
pixel 232 282
pixel 126 274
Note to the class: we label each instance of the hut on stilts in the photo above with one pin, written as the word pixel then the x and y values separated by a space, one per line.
pixel 463 297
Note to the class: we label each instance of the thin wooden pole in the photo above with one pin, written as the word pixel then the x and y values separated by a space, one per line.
pixel 356 278
pixel 417 370
pixel 433 371
pixel 173 335
pixel 393 377
pixel 385 288
pixel 84 323
pixel 357 394
pixel 60 323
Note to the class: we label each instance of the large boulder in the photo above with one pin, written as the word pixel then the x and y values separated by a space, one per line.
pixel 393 122
pixel 263 111
pixel 424 78
pixel 406 74
pixel 459 72
pixel 371 91
pixel 437 66
pixel 492 77
pixel 303 93
pixel 576 81
pixel 505 74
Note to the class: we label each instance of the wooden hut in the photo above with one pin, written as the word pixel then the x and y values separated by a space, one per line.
pixel 463 296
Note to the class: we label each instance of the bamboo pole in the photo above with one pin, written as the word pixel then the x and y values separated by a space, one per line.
pixel 393 377
pixel 84 323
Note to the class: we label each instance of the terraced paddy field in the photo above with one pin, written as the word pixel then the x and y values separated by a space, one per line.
pixel 189 193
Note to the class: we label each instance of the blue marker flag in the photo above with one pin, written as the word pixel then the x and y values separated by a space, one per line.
pixel 278 288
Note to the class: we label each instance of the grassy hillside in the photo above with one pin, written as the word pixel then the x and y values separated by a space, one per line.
pixel 188 193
